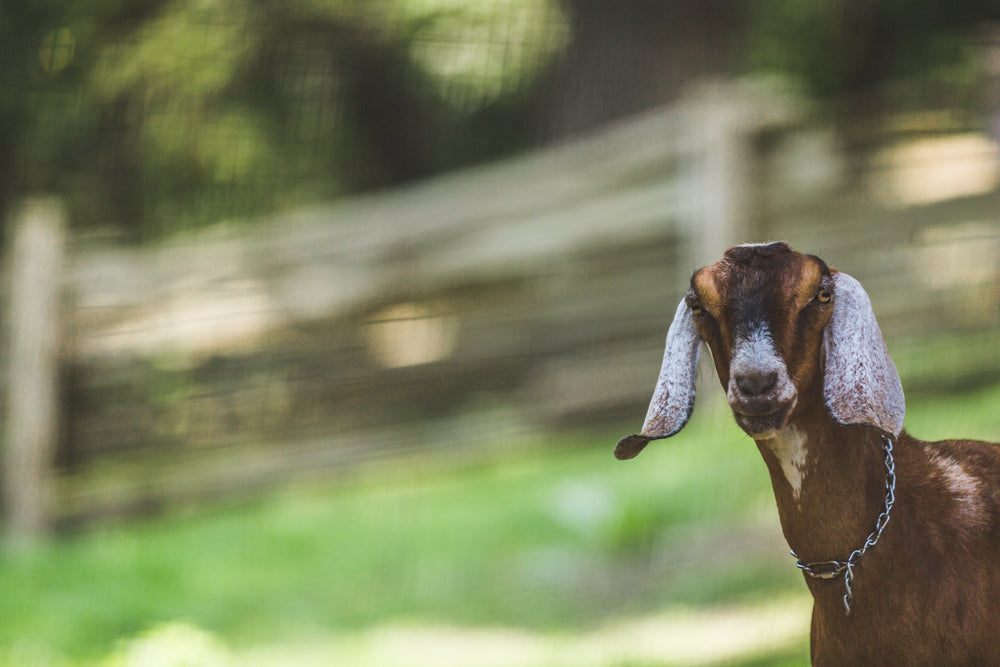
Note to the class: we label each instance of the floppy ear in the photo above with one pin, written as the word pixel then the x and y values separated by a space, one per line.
pixel 673 398
pixel 860 382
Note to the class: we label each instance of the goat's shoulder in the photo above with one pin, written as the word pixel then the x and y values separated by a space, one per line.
pixel 957 480
pixel 973 458
pixel 943 539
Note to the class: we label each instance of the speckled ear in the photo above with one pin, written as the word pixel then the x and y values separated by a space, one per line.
pixel 860 382
pixel 673 398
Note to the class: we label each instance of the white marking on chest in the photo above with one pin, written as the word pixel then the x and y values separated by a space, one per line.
pixel 789 447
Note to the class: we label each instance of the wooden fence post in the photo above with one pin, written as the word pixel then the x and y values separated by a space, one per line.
pixel 718 175
pixel 30 356
pixel 713 187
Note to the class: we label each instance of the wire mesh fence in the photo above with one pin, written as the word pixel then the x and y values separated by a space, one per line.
pixel 316 239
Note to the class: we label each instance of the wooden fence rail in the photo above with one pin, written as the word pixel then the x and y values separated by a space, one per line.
pixel 459 312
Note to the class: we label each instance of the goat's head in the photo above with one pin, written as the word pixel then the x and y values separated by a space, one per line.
pixel 784 329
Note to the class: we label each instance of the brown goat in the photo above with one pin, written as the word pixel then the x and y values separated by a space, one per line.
pixel 899 539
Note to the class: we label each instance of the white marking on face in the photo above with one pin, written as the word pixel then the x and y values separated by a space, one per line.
pixel 756 353
pixel 789 447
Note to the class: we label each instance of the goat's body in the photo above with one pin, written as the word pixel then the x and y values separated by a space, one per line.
pixel 807 375
pixel 929 592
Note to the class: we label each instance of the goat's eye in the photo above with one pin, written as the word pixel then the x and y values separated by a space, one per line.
pixel 696 308
pixel 824 296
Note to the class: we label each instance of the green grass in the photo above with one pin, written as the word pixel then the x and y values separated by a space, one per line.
pixel 558 538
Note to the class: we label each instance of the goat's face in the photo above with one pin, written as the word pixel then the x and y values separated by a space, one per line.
pixel 762 311
pixel 785 332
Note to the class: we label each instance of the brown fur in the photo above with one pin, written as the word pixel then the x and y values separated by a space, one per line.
pixel 929 592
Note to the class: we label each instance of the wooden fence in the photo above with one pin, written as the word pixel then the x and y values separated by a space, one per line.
pixel 457 313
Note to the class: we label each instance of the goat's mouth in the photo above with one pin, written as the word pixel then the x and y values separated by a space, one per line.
pixel 763 421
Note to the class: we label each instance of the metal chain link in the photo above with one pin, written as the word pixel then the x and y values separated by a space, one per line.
pixel 829 569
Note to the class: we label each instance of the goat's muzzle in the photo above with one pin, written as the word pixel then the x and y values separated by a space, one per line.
pixel 760 392
pixel 764 424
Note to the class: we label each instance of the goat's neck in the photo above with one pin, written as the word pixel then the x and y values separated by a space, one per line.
pixel 828 481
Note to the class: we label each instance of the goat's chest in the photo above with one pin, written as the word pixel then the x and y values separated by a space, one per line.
pixel 789 449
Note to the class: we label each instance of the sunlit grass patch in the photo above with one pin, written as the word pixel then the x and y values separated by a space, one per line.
pixel 678 636
pixel 556 543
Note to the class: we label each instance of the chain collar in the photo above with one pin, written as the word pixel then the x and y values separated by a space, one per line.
pixel 830 569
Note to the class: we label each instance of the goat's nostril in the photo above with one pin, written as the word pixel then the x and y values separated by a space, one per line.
pixel 757 383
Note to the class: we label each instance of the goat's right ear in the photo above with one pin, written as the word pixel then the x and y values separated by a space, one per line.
pixel 673 398
pixel 860 382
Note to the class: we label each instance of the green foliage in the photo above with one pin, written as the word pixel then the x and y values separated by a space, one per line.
pixel 524 542
pixel 558 537
pixel 835 47
pixel 157 116
pixel 153 116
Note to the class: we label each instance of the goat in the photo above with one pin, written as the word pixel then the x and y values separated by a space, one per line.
pixel 898 539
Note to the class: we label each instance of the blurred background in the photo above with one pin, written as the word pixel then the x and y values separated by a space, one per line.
pixel 321 318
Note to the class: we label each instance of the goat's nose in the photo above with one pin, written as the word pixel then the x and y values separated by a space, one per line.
pixel 756 383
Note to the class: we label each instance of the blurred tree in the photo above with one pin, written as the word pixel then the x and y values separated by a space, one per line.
pixel 837 47
pixel 153 115
pixel 846 53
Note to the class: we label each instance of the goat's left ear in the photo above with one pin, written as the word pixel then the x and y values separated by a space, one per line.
pixel 860 383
